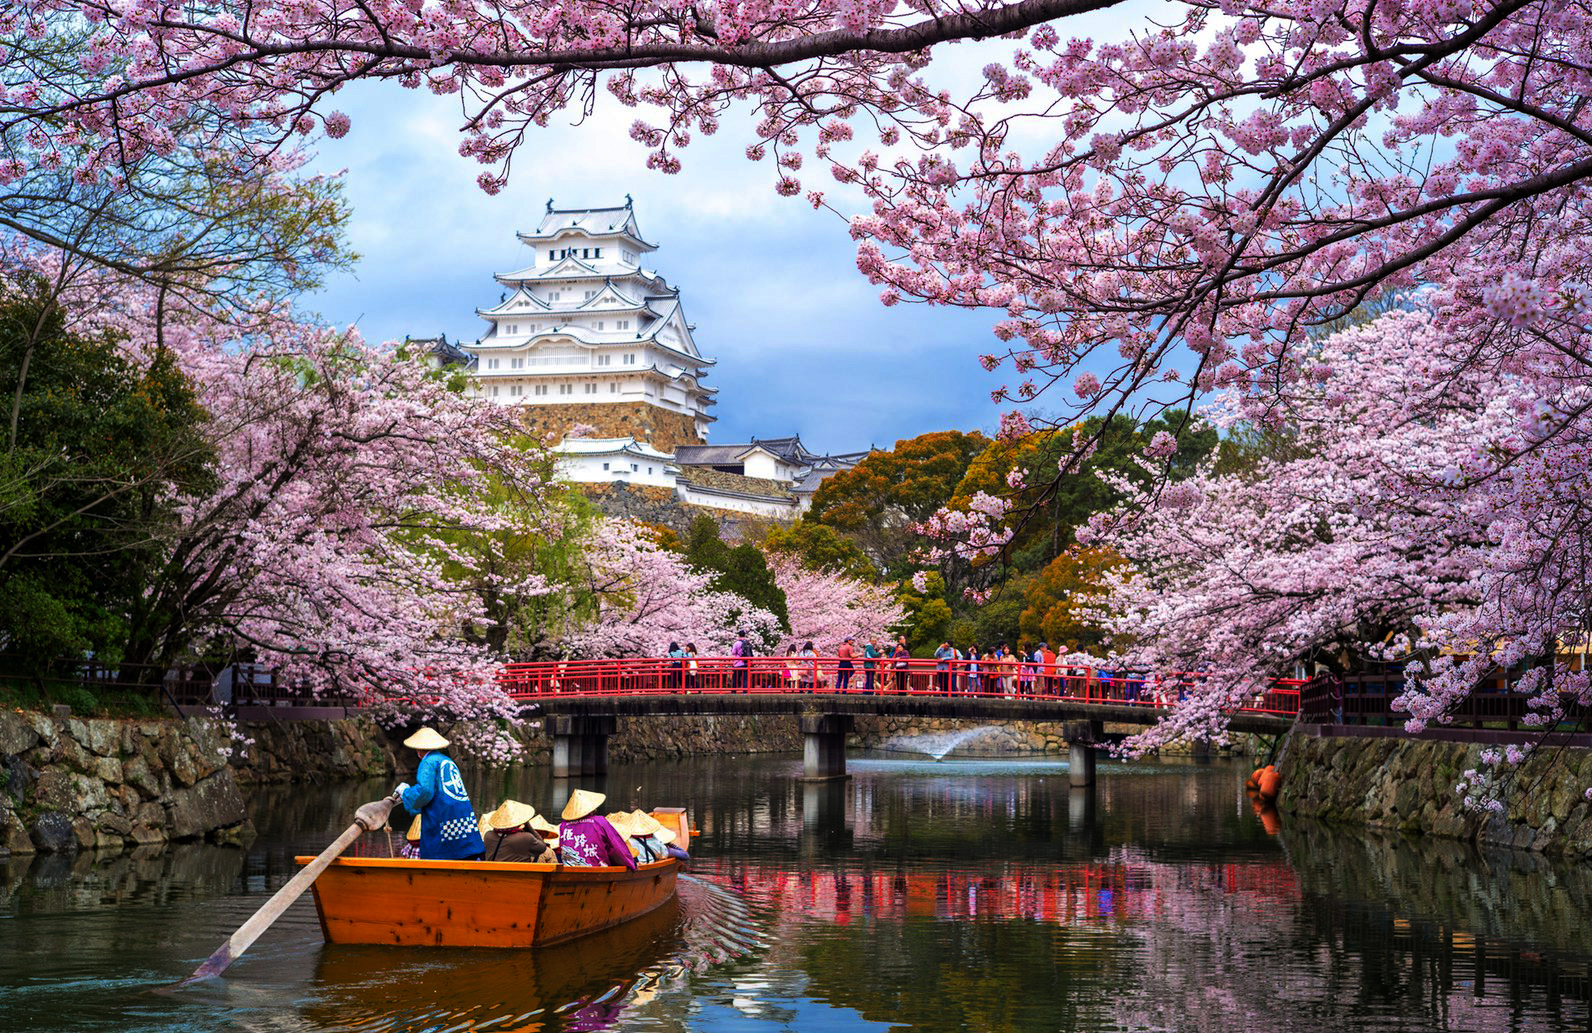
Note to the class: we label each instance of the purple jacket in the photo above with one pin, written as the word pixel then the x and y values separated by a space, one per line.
pixel 592 842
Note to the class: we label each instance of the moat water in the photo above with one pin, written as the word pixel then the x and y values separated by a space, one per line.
pixel 961 895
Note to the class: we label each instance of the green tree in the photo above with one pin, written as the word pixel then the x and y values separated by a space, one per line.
pixel 98 446
pixel 820 547
pixel 741 569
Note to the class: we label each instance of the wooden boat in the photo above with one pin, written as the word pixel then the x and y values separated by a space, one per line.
pixel 402 902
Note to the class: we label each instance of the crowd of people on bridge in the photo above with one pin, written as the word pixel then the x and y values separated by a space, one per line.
pixel 999 670
pixel 446 826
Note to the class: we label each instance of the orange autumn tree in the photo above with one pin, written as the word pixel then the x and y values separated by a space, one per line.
pixel 1060 596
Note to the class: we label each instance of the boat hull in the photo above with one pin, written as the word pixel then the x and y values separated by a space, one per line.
pixel 409 903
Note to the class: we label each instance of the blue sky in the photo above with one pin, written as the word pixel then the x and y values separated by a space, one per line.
pixel 802 343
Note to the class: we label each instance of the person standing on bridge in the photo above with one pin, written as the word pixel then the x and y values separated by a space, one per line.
pixel 942 667
pixel 870 663
pixel 845 654
pixel 901 658
pixel 740 651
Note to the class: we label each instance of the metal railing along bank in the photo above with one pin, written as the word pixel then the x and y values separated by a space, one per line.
pixel 781 675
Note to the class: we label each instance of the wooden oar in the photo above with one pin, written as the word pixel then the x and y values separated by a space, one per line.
pixel 370 816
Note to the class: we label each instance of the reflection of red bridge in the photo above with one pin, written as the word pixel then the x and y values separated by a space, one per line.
pixel 583 699
pixel 1064 895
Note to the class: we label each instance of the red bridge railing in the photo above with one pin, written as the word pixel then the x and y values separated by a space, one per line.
pixel 795 675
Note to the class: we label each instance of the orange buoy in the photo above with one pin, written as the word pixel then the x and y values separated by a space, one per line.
pixel 1270 784
pixel 1252 783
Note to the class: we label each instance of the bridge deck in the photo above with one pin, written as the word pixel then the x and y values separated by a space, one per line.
pixel 918 688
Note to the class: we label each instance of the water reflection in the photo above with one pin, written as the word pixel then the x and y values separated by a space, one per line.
pixel 954 896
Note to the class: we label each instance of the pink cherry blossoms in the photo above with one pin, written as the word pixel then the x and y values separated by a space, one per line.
pixel 344 475
pixel 826 607
pixel 647 596
pixel 1426 507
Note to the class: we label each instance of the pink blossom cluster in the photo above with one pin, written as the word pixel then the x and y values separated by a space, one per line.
pixel 827 607
pixel 647 596
pixel 1426 505
pixel 346 478
pixel 1169 210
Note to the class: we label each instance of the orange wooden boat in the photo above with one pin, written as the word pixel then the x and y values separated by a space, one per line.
pixel 402 902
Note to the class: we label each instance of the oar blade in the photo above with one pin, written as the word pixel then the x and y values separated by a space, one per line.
pixel 369 816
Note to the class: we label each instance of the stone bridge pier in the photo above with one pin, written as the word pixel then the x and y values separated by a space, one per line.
pixel 1082 738
pixel 824 745
pixel 580 744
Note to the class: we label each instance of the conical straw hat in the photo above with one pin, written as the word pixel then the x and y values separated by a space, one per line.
pixel 546 829
pixel 511 815
pixel 621 823
pixel 581 803
pixel 426 739
pixel 413 835
pixel 665 835
pixel 643 823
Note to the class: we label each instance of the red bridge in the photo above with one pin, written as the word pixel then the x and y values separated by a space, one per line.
pixel 583 699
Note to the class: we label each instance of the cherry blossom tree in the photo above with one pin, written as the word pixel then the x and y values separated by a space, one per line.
pixel 343 476
pixel 825 606
pixel 1201 190
pixel 1428 509
pixel 1158 216
pixel 647 596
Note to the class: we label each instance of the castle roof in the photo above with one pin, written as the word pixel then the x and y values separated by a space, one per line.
pixel 610 446
pixel 619 220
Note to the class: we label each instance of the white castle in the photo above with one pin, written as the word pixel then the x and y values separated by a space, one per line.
pixel 586 323
pixel 585 335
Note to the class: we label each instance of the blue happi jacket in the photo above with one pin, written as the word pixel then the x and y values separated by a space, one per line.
pixel 448 830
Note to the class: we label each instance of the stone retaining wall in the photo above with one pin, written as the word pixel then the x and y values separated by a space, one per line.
pixel 1409 785
pixel 313 751
pixel 68 784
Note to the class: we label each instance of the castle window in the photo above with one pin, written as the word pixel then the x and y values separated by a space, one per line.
pixel 515 390
pixel 591 388
pixel 541 389
pixel 517 363
pixel 634 467
pixel 630 358
pixel 491 363
pixel 605 466
pixel 590 295
pixel 566 389
pixel 552 256
pixel 613 388
pixel 599 324
pixel 623 324
pixel 494 390
pixel 596 252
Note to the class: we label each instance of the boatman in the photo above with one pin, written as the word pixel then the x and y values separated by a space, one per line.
pixel 448 829
pixel 585 838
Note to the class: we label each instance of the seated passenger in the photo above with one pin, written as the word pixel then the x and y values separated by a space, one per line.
pixel 549 833
pixel 666 836
pixel 411 847
pixel 621 823
pixel 586 838
pixel 511 837
pixel 644 829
